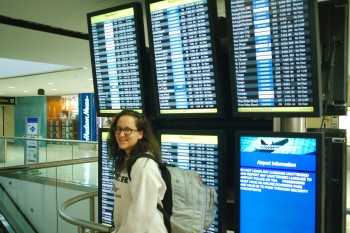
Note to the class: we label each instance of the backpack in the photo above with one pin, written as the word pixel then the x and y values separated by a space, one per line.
pixel 189 206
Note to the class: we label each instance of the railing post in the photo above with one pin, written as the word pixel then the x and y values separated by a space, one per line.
pixel 81 229
pixel 92 209
pixel 5 150
pixel 3 144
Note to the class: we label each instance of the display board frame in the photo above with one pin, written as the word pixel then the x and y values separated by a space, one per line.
pixel 274 58
pixel 105 180
pixel 183 87
pixel 119 73
pixel 292 156
pixel 200 141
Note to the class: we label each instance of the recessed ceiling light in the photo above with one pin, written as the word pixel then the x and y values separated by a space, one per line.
pixel 53 89
pixel 11 87
pixel 50 83
pixel 25 91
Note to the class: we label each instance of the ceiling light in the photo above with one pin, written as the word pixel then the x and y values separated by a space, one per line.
pixel 11 87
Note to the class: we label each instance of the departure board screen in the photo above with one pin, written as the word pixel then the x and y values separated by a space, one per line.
pixel 274 56
pixel 201 152
pixel 184 57
pixel 279 182
pixel 116 44
pixel 106 178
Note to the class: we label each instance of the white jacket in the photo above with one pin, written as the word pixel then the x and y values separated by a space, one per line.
pixel 135 201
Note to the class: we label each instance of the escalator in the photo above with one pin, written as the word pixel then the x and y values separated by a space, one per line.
pixel 12 218
pixel 5 226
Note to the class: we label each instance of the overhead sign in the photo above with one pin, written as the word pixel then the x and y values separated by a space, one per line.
pixel 7 100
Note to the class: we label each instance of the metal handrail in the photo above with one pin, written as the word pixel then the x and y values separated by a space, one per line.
pixel 82 224
pixel 49 140
pixel 45 140
pixel 47 164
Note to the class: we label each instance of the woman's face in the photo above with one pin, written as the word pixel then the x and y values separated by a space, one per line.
pixel 127 141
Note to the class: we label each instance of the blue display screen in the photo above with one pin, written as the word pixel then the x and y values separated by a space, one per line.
pixel 277 184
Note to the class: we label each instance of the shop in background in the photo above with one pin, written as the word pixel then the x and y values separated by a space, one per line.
pixel 62 117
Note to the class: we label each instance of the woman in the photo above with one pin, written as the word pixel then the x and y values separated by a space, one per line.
pixel 135 197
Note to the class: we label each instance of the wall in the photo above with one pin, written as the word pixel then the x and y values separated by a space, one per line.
pixel 6 120
pixel 9 124
pixel 344 123
pixel 42 208
pixel 327 122
pixel 30 107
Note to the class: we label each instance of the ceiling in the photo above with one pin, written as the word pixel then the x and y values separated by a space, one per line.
pixel 32 59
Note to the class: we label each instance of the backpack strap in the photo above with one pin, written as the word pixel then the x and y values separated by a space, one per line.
pixel 167 201
pixel 167 209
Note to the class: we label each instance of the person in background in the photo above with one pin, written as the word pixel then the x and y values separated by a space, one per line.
pixel 135 197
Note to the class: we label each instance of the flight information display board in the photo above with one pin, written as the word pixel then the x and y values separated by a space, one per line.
pixel 116 44
pixel 184 57
pixel 279 179
pixel 106 178
pixel 201 152
pixel 275 69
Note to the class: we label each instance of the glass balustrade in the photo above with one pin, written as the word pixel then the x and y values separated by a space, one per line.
pixel 31 192
pixel 17 151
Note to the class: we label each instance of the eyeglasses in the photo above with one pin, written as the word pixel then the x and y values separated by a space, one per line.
pixel 127 131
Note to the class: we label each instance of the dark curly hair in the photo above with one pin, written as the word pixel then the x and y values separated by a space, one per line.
pixel 148 143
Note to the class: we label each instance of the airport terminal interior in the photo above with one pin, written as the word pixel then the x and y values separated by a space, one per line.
pixel 252 94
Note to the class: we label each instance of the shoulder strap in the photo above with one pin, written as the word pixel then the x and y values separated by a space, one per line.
pixel 146 155
pixel 167 202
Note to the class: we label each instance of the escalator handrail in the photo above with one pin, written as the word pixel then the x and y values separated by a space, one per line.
pixel 18 208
